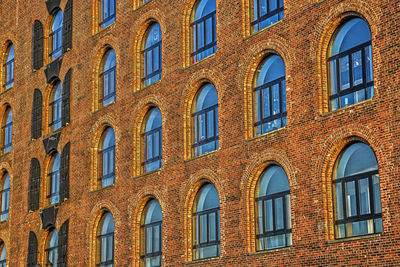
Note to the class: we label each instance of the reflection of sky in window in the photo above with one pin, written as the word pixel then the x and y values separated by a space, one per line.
pixel 109 140
pixel 273 181
pixel 154 35
pixel 204 8
pixel 154 213
pixel 208 198
pixel 154 121
pixel 108 225
pixel 58 20
pixel 3 253
pixel 272 69
pixel 357 158
pixel 110 61
pixel 10 53
pixel 208 97
pixel 353 33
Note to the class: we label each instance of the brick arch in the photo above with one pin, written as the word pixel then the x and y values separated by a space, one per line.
pixel 331 150
pixel 96 214
pixel 324 31
pixel 96 134
pixel 136 209
pixel 249 182
pixel 142 25
pixel 3 60
pixel 141 110
pixel 46 34
pixel 190 190
pixel 110 42
pixel 253 57
pixel 3 109
pixel 186 36
pixel 189 93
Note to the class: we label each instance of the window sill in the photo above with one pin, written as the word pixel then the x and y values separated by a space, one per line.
pixel 252 34
pixel 108 187
pixel 158 171
pixel 208 154
pixel 349 108
pixel 103 108
pixel 141 5
pixel 268 251
pixel 271 133
pixel 201 60
pixel 203 261
pixel 103 31
pixel 148 86
pixel 355 238
pixel 6 90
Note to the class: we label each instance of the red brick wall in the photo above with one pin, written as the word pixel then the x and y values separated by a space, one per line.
pixel 306 148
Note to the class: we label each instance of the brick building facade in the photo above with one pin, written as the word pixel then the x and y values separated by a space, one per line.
pixel 307 148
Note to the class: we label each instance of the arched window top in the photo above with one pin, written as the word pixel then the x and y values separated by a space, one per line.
pixel 208 198
pixel 274 180
pixel 153 213
pixel 9 116
pixel 207 97
pixel 110 60
pixel 11 53
pixel 351 34
pixel 53 239
pixel 357 158
pixel 271 69
pixel 154 120
pixel 153 36
pixel 204 7
pixel 58 21
pixel 57 90
pixel 108 224
pixel 109 138
pixel 6 184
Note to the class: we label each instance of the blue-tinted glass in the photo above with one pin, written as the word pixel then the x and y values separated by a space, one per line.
pixel 208 97
pixel 353 33
pixel 152 54
pixel 109 78
pixel 153 145
pixel 8 132
pixel 53 248
pixel 266 12
pixel 57 106
pixel 154 121
pixel 273 68
pixel 204 31
pixel 55 180
pixel 204 8
pixel 107 239
pixel 153 213
pixel 9 69
pixel 57 35
pixel 208 198
pixel 357 158
pixel 108 156
pixel 108 12
pixel 3 256
pixel 5 198
pixel 273 181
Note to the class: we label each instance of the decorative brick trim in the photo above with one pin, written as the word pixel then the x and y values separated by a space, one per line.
pixel 253 57
pixel 93 227
pixel 324 31
pixel 191 189
pixel 42 246
pixel 143 24
pixel 249 182
pixel 193 85
pixel 332 148
pixel 97 132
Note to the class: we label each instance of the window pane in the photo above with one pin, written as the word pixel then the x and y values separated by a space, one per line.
pixel 279 214
pixel 357 68
pixel 339 201
pixel 275 93
pixel 156 242
pixel 269 216
pixel 203 228
pixel 364 196
pixel 149 240
pixel 212 227
pixel 368 62
pixel 351 206
pixel 266 109
pixel 377 194
pixel 333 76
pixel 210 123
pixel 344 73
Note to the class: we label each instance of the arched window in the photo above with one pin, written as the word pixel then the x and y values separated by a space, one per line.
pixel 3 255
pixel 358 208
pixel 206 228
pixel 5 196
pixel 55 107
pixel 107 12
pixel 53 180
pixel 205 120
pixel 270 95
pixel 151 235
pixel 152 55
pixel 105 241
pixel 265 13
pixel 273 226
pixel 204 30
pixel 51 251
pixel 9 67
pixel 153 140
pixel 56 35
pixel 7 130
pixel 107 78
pixel 350 64
pixel 107 158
